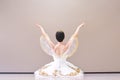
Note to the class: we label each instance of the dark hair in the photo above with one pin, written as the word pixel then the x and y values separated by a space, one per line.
pixel 60 36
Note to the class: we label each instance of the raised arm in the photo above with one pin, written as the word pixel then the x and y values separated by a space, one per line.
pixel 77 30
pixel 45 35
pixel 42 30
pixel 75 34
pixel 72 44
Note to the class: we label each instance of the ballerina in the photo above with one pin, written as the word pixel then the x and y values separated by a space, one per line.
pixel 60 52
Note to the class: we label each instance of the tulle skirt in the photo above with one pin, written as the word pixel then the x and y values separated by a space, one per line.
pixel 59 70
pixel 41 77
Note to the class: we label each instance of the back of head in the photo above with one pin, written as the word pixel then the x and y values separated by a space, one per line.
pixel 60 36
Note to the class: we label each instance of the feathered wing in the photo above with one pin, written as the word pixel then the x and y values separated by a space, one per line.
pixel 46 46
pixel 72 47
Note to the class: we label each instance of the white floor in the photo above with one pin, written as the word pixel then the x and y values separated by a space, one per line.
pixel 87 77
pixel 102 77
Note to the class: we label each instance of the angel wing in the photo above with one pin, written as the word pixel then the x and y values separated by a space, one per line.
pixel 46 46
pixel 73 45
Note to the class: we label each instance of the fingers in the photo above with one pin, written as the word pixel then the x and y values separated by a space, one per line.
pixel 41 28
pixel 77 30
pixel 38 25
pixel 81 25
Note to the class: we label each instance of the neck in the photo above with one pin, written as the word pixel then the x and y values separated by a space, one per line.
pixel 60 42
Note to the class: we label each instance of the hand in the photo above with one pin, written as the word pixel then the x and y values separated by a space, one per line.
pixel 41 28
pixel 77 30
pixel 81 25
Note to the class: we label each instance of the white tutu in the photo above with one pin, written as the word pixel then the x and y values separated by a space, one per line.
pixel 59 69
pixel 80 76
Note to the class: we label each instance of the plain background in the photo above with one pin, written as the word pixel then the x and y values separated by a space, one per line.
pixel 99 40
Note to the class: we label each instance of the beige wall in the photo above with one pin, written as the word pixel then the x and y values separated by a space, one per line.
pixel 99 40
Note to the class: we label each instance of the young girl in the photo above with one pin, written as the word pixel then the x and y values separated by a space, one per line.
pixel 60 52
